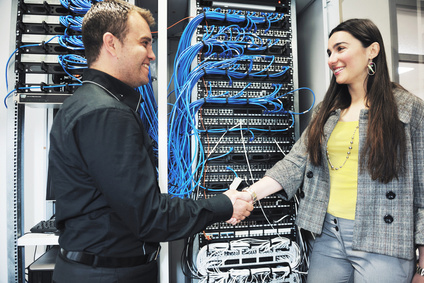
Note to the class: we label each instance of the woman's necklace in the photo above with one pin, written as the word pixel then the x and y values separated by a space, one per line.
pixel 348 152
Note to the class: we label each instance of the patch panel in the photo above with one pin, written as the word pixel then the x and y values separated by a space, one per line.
pixel 245 123
pixel 39 32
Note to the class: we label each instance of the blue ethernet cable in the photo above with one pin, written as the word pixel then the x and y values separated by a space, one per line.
pixel 78 6
pixel 72 62
pixel 183 152
pixel 9 59
pixel 35 87
pixel 230 168
pixel 148 112
pixel 72 22
pixel 72 42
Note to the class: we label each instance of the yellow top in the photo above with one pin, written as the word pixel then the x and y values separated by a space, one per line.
pixel 343 182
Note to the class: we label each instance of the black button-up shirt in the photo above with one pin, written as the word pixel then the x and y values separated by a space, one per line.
pixel 103 172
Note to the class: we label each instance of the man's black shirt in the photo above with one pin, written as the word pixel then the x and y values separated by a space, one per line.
pixel 103 172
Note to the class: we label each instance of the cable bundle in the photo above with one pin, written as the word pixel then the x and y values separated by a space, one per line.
pixel 72 42
pixel 184 143
pixel 186 155
pixel 72 62
pixel 72 22
pixel 78 6
pixel 148 112
pixel 240 260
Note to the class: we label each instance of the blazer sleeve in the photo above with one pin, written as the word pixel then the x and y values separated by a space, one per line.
pixel 289 172
pixel 417 139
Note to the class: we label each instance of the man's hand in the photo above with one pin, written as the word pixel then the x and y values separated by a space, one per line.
pixel 242 203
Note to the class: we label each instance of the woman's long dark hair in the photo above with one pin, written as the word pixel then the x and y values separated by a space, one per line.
pixel 384 150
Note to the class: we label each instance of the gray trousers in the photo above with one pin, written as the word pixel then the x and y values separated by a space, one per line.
pixel 334 261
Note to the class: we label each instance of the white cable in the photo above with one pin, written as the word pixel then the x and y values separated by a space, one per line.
pixel 215 257
pixel 281 150
pixel 212 150
pixel 245 153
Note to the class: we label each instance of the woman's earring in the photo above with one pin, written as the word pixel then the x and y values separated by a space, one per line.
pixel 372 68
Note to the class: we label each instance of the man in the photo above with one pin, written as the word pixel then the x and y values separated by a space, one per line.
pixel 109 210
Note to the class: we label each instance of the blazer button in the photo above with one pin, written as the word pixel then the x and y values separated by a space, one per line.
pixel 301 194
pixel 388 218
pixel 390 195
pixel 309 174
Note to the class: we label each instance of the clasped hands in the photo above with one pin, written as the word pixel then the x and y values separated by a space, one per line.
pixel 242 203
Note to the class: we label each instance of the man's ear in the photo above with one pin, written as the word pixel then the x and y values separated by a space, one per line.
pixel 110 43
pixel 374 49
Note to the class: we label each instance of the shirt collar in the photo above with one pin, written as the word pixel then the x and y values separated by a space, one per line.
pixel 114 87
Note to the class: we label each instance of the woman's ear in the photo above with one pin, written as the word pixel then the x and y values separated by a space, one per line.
pixel 374 49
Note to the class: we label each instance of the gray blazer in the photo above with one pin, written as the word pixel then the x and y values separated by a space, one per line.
pixel 389 217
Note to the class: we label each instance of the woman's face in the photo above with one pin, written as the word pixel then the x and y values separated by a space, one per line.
pixel 348 59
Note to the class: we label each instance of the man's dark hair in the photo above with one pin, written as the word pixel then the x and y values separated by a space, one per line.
pixel 108 16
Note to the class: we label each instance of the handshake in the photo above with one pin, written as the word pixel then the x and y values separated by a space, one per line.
pixel 243 205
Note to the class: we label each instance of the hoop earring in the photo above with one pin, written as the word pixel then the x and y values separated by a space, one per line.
pixel 372 68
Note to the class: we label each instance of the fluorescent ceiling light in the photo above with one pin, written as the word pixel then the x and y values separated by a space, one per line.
pixel 243 6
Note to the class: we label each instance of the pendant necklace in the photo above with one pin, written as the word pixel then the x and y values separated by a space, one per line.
pixel 348 152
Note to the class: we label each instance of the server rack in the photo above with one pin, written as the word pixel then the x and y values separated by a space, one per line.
pixel 244 124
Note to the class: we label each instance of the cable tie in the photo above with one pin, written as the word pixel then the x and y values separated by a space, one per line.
pixel 42 87
pixel 18 85
pixel 44 46
pixel 247 100
pixel 45 26
pixel 23 6
pixel 44 66
pixel 204 16
pixel 46 7
pixel 21 26
pixel 226 17
pixel 227 100
pixel 19 66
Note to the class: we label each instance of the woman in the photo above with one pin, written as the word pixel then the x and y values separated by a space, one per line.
pixel 360 168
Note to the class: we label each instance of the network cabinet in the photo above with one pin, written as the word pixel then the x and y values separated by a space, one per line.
pixel 236 77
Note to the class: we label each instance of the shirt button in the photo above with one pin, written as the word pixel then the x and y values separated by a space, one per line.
pixel 390 195
pixel 309 174
pixel 337 228
pixel 335 221
pixel 388 218
pixel 301 194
